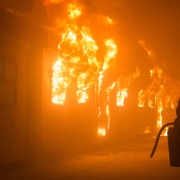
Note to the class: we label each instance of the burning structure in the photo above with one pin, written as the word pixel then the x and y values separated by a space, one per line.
pixel 73 76
pixel 81 61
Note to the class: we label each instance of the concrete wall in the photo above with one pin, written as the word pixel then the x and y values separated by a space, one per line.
pixel 12 99
pixel 21 53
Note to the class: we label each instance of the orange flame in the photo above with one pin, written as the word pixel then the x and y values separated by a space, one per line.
pixel 105 20
pixel 121 95
pixel 162 92
pixel 77 59
pixel 78 62
pixel 123 86
pixel 166 132
pixel 101 132
pixel 59 83
pixel 48 2
pixel 74 11
pixel 111 52
pixel 108 61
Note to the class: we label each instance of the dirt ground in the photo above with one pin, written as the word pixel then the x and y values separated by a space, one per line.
pixel 109 160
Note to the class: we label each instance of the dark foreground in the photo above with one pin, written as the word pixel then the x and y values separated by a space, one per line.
pixel 107 159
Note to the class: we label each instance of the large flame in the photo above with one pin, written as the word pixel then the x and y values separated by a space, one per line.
pixel 74 11
pixel 123 85
pixel 78 63
pixel 162 92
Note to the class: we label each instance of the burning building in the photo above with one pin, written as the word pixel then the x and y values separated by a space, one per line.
pixel 75 74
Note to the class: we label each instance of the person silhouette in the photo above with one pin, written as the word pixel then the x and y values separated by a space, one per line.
pixel 177 120
pixel 173 140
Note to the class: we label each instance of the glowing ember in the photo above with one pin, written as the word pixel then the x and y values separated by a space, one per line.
pixel 59 83
pixel 101 132
pixel 108 62
pixel 147 130
pixel 111 52
pixel 166 131
pixel 74 11
pixel 159 113
pixel 48 2
pixel 121 95
pixel 123 85
pixel 159 94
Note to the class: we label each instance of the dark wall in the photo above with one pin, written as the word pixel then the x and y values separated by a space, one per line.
pixel 21 44
pixel 12 99
pixel 34 93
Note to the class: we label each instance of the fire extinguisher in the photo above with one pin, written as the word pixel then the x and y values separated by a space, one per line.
pixel 173 139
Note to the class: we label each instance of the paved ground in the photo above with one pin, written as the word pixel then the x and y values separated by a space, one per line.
pixel 108 161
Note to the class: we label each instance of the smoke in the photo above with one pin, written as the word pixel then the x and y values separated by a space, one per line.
pixel 18 5
pixel 50 2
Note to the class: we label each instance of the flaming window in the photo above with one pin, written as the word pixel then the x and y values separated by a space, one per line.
pixel 79 62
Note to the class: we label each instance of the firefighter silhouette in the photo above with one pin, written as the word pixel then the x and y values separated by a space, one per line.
pixel 177 120
pixel 173 140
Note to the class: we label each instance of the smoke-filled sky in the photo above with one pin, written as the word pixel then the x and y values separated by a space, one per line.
pixel 154 21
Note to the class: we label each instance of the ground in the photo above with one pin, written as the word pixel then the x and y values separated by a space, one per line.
pixel 107 159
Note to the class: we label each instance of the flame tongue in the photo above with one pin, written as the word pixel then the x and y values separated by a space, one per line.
pixel 76 61
pixel 79 63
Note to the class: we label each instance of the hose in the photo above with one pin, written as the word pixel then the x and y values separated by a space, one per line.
pixel 158 136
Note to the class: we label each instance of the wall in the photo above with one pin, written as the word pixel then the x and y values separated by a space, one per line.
pixel 12 99
pixel 21 44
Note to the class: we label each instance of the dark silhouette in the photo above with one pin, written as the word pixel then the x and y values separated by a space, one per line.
pixel 174 140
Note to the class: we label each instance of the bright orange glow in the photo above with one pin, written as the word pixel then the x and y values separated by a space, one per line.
pixel 59 83
pixel 77 59
pixel 111 52
pixel 107 110
pixel 74 11
pixel 108 20
pixel 141 99
pixel 147 130
pixel 162 92
pixel 153 94
pixel 108 62
pixel 159 114
pixel 105 20
pixel 48 2
pixel 123 85
pixel 121 95
pixel 101 132
pixel 81 63
pixel 166 132
pixel 78 63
